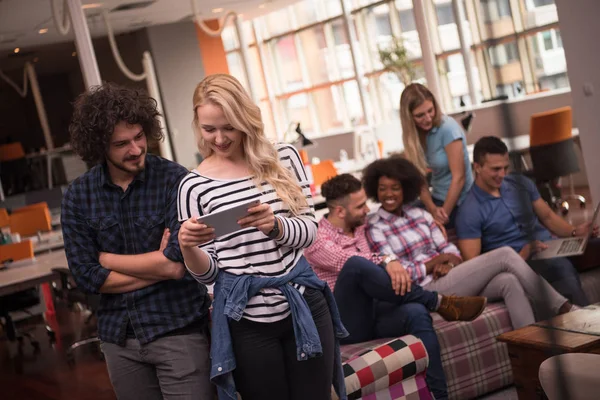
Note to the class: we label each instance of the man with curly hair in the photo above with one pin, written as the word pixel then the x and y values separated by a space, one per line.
pixel 120 227
pixel 373 291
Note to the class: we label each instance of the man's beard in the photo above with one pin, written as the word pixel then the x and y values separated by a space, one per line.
pixel 131 170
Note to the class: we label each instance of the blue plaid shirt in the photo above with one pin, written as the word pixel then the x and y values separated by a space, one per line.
pixel 97 216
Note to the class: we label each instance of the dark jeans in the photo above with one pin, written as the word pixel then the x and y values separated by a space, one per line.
pixel 563 277
pixel 266 363
pixel 370 309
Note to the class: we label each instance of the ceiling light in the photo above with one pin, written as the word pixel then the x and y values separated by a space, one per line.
pixel 73 54
pixel 17 50
pixel 42 31
pixel 263 5
pixel 217 10
pixel 92 5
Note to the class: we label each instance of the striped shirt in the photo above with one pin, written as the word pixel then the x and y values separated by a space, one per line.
pixel 414 238
pixel 249 251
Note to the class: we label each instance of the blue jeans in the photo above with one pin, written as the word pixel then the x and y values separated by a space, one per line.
pixel 370 309
pixel 562 275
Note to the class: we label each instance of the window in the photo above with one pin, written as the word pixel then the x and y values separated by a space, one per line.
pixel 503 54
pixel 558 40
pixel 407 20
pixel 445 15
pixel 547 37
pixel 541 3
pixel 288 65
pixel 494 10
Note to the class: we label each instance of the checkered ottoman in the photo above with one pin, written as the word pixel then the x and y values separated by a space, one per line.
pixel 386 369
pixel 474 362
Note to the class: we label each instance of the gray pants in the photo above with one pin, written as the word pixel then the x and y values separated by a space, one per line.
pixel 502 274
pixel 172 367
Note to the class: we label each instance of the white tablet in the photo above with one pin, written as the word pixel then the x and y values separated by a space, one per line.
pixel 225 221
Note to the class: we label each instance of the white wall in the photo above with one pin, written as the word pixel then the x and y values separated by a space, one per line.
pixel 579 28
pixel 179 69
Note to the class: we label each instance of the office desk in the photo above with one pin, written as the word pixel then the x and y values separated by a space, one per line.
pixel 28 274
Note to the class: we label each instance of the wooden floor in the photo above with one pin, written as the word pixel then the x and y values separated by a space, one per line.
pixel 48 375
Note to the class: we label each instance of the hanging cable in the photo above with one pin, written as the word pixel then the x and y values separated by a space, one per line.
pixel 64 26
pixel 22 92
pixel 115 51
pixel 30 76
pixel 208 30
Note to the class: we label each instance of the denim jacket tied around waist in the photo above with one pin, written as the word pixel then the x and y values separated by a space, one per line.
pixel 232 293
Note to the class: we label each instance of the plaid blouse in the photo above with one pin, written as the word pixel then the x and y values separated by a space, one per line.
pixel 414 238
pixel 97 216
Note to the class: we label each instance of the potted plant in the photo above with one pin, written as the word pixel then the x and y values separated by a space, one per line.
pixel 394 57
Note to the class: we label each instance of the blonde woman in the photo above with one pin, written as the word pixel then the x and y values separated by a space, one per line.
pixel 435 141
pixel 275 324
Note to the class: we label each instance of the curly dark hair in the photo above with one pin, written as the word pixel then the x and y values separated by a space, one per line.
pixel 97 112
pixel 339 186
pixel 394 167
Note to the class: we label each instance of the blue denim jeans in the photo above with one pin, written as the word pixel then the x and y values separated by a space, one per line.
pixel 370 309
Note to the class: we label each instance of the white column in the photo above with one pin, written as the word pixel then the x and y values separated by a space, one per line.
pixel 83 44
pixel 579 29
pixel 459 17
pixel 239 30
pixel 154 92
pixel 429 61
pixel 357 73
pixel 39 105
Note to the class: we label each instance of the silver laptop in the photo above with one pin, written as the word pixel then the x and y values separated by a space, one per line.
pixel 566 247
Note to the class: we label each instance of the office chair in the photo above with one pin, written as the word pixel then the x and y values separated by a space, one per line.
pixel 551 140
pixel 31 220
pixel 73 296
pixel 19 301
pixel 14 169
pixel 323 171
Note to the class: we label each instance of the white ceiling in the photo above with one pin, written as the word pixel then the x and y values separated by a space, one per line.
pixel 21 20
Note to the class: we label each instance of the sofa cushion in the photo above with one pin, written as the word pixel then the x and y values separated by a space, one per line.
pixel 389 368
pixel 474 362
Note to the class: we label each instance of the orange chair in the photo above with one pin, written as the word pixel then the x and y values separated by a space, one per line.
pixel 26 208
pixel 16 251
pixel 550 140
pixel 4 218
pixel 323 171
pixel 11 151
pixel 31 221
pixel 14 169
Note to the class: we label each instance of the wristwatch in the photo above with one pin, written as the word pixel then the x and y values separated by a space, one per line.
pixel 274 233
pixel 388 259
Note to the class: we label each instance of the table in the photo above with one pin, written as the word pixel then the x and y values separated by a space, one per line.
pixel 528 347
pixel 28 274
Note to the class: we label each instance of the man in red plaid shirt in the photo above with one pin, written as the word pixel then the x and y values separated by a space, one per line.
pixel 373 291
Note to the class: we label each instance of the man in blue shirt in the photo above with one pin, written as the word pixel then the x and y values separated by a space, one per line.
pixel 120 227
pixel 507 210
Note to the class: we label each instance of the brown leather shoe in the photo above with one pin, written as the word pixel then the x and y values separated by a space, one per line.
pixel 455 308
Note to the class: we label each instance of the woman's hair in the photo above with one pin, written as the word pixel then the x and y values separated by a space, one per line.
pixel 97 112
pixel 397 168
pixel 412 97
pixel 244 115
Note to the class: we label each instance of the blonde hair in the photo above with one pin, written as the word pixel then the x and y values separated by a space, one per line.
pixel 244 115
pixel 412 97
